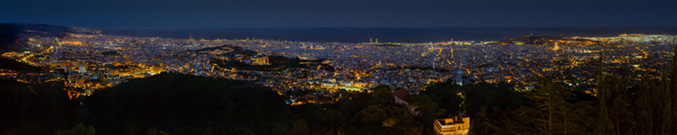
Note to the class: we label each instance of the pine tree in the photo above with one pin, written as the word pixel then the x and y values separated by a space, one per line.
pixel 300 128
pixel 621 115
pixel 670 88
pixel 79 129
pixel 664 121
pixel 548 111
pixel 645 107
pixel 603 125
pixel 478 125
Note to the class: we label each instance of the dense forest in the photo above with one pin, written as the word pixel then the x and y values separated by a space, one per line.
pixel 36 109
pixel 618 107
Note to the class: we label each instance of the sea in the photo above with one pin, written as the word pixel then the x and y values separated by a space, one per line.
pixel 394 35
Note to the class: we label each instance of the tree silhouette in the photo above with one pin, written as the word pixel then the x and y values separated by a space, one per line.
pixel 603 124
pixel 79 129
pixel 300 128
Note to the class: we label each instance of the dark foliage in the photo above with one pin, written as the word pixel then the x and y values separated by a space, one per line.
pixel 185 104
pixel 17 66
pixel 110 53
pixel 36 108
pixel 277 63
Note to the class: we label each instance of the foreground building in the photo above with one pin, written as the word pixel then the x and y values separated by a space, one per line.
pixel 456 125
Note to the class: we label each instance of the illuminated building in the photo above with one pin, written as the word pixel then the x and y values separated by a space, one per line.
pixel 456 125
pixel 83 69
pixel 458 78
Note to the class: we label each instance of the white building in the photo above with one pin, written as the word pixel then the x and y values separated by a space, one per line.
pixel 83 69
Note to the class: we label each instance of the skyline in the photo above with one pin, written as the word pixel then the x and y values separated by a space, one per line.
pixel 95 61
pixel 351 13
pixel 452 67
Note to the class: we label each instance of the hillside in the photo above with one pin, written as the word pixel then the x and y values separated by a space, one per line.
pixel 11 34
pixel 17 66
pixel 36 108
pixel 184 104
pixel 172 103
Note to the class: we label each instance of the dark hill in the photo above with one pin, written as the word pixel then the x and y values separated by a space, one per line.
pixel 277 63
pixel 11 34
pixel 185 104
pixel 110 53
pixel 32 109
pixel 17 66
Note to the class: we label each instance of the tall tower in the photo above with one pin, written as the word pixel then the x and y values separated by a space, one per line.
pixel 371 41
pixel 460 59
pixel 377 40
pixel 190 36
pixel 433 63
pixel 56 49
pixel 431 46
pixel 452 52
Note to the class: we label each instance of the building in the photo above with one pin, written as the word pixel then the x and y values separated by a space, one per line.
pixel 83 69
pixel 458 78
pixel 400 96
pixel 456 125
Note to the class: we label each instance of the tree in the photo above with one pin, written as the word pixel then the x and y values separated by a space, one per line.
pixel 383 95
pixel 185 104
pixel 374 114
pixel 501 95
pixel 619 103
pixel 424 103
pixel 645 107
pixel 496 102
pixel 407 124
pixel 673 93
pixel 334 119
pixel 547 109
pixel 603 125
pixel 280 129
pixel 300 128
pixel 656 103
pixel 478 125
pixel 79 129
pixel 446 95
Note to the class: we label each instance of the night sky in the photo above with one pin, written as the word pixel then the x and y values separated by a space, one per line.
pixel 342 13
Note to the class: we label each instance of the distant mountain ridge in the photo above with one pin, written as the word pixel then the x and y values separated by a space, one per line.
pixel 12 34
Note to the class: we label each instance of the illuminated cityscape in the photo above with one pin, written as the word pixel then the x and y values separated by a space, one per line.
pixel 89 62
pixel 307 67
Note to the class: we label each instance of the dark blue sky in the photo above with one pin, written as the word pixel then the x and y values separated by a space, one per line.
pixel 343 13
